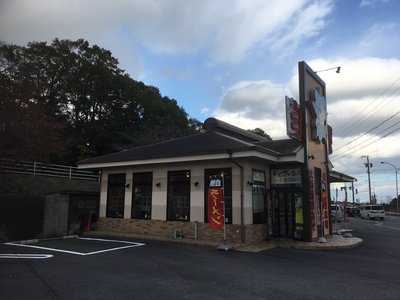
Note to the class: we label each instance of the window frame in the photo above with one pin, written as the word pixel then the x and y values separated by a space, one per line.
pixel 169 201
pixel 108 195
pixel 264 184
pixel 134 184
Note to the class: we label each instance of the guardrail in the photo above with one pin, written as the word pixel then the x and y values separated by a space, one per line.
pixel 36 168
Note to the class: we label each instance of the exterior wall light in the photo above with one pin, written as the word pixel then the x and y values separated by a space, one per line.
pixel 127 185
pixel 196 183
pixel 158 184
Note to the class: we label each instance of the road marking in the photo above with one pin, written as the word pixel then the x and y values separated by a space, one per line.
pixel 45 248
pixel 131 245
pixel 115 241
pixel 25 255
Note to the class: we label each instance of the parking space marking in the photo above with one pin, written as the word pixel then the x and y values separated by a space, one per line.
pixel 26 255
pixel 115 241
pixel 44 248
pixel 131 245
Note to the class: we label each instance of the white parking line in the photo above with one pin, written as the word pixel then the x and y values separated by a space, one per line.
pixel 116 241
pixel 25 255
pixel 131 245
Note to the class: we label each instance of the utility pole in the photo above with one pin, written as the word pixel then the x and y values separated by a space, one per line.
pixel 397 182
pixel 352 190
pixel 345 202
pixel 368 165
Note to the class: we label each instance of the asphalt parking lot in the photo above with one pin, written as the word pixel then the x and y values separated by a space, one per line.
pixel 160 270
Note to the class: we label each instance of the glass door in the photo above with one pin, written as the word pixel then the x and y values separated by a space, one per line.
pixel 178 196
pixel 141 195
pixel 283 213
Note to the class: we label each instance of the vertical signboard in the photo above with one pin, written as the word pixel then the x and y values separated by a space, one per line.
pixel 313 108
pixel 293 119
pixel 216 204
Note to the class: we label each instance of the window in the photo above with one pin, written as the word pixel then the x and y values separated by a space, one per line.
pixel 258 196
pixel 209 175
pixel 178 199
pixel 377 207
pixel 115 195
pixel 142 189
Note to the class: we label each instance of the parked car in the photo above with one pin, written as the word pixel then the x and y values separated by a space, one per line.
pixel 353 211
pixel 336 212
pixel 369 211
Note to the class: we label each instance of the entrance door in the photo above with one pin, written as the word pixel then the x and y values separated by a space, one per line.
pixel 283 213
pixel 178 196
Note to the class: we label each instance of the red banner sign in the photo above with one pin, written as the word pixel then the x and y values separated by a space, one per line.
pixel 216 207
pixel 293 119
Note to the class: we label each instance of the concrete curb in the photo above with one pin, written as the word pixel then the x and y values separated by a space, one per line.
pixel 326 247
pixel 251 248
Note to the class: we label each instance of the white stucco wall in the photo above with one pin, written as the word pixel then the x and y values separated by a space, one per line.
pixel 159 195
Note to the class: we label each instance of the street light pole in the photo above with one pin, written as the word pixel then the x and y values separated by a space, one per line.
pixel 368 165
pixel 397 182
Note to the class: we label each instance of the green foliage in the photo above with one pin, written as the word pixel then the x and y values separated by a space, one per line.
pixel 259 131
pixel 69 100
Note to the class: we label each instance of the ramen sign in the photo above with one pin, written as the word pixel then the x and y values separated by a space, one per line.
pixel 216 204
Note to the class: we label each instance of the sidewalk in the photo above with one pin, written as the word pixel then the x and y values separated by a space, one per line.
pixel 333 243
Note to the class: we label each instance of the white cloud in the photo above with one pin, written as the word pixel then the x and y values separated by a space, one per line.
pixel 251 104
pixel 254 99
pixel 359 78
pixel 274 127
pixel 355 104
pixel 227 29
pixel 365 3
pixel 307 23
pixel 205 111
pixel 362 95
pixel 378 34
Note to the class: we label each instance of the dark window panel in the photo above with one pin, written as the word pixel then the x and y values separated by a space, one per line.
pixel 115 196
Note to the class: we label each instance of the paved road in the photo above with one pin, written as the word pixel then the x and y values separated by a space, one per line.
pixel 169 271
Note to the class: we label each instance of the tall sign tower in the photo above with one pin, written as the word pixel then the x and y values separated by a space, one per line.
pixel 316 139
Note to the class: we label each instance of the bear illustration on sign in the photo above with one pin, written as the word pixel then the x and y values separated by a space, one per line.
pixel 319 116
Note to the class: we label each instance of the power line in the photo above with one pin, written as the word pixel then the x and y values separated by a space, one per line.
pixel 370 130
pixel 375 109
pixel 368 104
pixel 355 147
pixel 365 146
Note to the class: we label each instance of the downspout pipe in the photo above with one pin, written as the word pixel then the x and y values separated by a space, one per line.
pixel 242 232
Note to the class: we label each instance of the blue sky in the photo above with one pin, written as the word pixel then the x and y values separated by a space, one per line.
pixel 237 59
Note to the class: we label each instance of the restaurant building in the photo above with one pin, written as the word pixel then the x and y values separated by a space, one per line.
pixel 226 182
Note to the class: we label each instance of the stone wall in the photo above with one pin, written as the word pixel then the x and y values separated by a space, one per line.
pixel 166 229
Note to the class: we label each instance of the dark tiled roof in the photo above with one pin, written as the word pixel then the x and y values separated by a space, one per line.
pixel 283 147
pixel 213 124
pixel 213 141
pixel 196 144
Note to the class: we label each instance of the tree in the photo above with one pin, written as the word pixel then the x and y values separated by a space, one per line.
pixel 78 102
pixel 260 132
